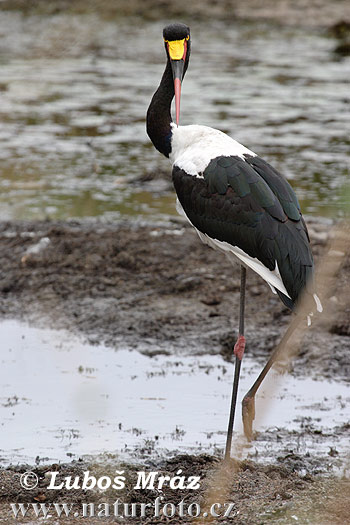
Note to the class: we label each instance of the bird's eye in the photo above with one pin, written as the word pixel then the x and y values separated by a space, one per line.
pixel 187 37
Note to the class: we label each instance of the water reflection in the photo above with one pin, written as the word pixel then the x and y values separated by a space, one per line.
pixel 72 133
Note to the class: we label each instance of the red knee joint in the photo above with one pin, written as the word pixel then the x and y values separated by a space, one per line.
pixel 239 347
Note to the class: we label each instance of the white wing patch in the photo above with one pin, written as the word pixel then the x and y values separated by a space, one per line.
pixel 273 278
pixel 193 147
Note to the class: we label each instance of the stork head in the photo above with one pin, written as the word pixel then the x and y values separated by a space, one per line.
pixel 178 46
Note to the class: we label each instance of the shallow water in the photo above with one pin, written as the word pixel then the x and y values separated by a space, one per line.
pixel 63 399
pixel 73 140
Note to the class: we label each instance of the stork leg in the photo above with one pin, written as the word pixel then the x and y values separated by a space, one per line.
pixel 238 351
pixel 282 350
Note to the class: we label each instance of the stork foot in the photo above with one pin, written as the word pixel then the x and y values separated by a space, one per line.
pixel 248 415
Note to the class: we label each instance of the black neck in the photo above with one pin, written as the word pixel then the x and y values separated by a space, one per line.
pixel 158 114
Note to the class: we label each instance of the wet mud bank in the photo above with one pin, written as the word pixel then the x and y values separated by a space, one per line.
pixel 156 289
pixel 247 492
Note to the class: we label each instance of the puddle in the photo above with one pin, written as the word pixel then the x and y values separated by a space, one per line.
pixel 73 139
pixel 62 399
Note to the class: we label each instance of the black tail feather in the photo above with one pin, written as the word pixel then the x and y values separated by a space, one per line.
pixel 287 301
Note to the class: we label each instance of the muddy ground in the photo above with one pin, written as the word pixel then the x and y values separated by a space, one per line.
pixel 156 288
pixel 260 494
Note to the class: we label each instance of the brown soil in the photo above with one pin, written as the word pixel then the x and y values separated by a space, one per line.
pixel 156 288
pixel 259 494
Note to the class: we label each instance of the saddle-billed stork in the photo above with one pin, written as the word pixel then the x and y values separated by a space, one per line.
pixel 238 203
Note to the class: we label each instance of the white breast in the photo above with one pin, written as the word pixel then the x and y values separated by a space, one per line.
pixel 193 147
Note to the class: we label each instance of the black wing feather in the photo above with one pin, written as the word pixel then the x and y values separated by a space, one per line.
pixel 260 214
pixel 278 185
